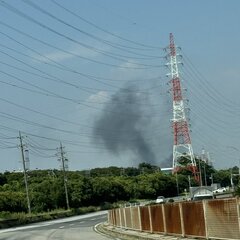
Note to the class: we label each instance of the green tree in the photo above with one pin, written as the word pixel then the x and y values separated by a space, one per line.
pixel 13 201
pixel 108 190
pixel 80 192
pixel 223 177
pixel 48 195
pixel 3 179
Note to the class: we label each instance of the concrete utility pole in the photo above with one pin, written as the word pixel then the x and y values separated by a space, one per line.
pixel 200 172
pixel 177 184
pixel 236 149
pixel 189 182
pixel 63 159
pixel 212 178
pixel 25 174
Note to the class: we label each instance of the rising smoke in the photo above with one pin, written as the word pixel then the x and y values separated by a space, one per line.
pixel 123 125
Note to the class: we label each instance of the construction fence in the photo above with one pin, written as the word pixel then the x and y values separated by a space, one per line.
pixel 211 219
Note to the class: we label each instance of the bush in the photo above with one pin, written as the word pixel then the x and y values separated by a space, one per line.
pixel 106 206
pixel 15 219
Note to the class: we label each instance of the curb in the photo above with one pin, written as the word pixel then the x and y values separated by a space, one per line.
pixel 108 230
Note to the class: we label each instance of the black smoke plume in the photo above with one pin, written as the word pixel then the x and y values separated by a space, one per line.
pixel 124 123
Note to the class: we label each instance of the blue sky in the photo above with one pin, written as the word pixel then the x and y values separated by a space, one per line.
pixel 60 67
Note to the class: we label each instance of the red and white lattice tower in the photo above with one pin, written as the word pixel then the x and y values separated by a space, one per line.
pixel 182 147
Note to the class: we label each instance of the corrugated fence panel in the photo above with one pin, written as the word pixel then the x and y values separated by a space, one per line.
pixel 114 217
pixel 213 219
pixel 110 219
pixel 117 214
pixel 173 218
pixel 145 220
pixel 222 219
pixel 157 219
pixel 193 219
pixel 135 219
pixel 122 217
pixel 128 217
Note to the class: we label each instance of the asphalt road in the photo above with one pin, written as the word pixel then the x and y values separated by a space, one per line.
pixel 73 228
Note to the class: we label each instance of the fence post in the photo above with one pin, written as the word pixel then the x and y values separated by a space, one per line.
pixel 113 215
pixel 109 221
pixel 140 218
pixel 181 218
pixel 164 219
pixel 150 218
pixel 205 218
pixel 120 217
pixel 131 217
pixel 238 212
pixel 124 215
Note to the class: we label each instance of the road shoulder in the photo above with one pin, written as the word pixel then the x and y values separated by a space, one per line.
pixel 125 234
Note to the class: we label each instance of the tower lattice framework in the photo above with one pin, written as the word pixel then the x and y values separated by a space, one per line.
pixel 182 147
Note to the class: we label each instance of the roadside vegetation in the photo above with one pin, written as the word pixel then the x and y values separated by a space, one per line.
pixel 99 188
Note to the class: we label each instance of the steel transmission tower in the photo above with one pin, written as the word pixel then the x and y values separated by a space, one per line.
pixel 182 147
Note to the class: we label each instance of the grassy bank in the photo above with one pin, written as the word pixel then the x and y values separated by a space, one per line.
pixel 8 219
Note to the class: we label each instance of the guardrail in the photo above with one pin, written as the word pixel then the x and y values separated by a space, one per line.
pixel 211 219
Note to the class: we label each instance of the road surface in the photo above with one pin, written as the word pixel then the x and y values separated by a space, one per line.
pixel 73 228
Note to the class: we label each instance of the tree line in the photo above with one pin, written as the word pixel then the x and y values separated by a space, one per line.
pixel 99 186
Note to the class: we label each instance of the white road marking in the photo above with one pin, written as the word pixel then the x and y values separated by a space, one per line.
pixel 51 222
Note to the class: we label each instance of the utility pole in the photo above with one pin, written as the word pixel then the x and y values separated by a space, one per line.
pixel 200 172
pixel 204 161
pixel 238 171
pixel 63 159
pixel 212 178
pixel 25 174
pixel 236 149
pixel 189 182
pixel 205 174
pixel 177 184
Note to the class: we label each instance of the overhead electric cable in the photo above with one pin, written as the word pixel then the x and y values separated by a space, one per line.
pixel 114 45
pixel 102 29
pixel 57 48
pixel 16 11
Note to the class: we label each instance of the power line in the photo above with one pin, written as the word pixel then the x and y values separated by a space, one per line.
pixel 114 45
pixel 102 29
pixel 54 47
pixel 16 11
pixel 55 65
pixel 209 87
